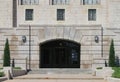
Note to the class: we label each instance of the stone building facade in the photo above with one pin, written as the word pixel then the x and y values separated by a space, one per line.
pixel 79 30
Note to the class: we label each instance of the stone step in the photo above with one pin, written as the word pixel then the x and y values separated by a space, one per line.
pixel 61 71
pixel 58 77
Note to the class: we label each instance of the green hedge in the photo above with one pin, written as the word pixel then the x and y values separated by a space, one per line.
pixel 112 55
pixel 99 68
pixel 6 57
pixel 116 73
pixel 17 68
pixel 2 74
pixel 1 68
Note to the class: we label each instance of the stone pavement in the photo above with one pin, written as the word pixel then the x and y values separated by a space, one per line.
pixel 55 81
pixel 57 78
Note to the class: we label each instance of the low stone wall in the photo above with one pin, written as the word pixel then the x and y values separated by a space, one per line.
pixel 111 79
pixel 19 72
pixel 3 79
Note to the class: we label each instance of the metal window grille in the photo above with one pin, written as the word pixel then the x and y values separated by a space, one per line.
pixel 91 2
pixel 29 2
pixel 60 2
pixel 92 14
pixel 60 14
pixel 29 14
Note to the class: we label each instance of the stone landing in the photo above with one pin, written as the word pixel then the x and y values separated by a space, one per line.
pixel 60 71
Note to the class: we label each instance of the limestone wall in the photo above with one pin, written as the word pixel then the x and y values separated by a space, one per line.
pixel 85 35
pixel 76 27
pixel 75 13
pixel 5 13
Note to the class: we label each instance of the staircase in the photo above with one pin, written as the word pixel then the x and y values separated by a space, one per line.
pixel 59 75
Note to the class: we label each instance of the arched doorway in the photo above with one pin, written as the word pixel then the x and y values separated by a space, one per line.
pixel 59 53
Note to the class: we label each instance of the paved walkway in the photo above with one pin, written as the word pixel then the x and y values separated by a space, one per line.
pixel 57 78
pixel 55 81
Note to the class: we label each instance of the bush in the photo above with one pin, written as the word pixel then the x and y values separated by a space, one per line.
pixel 99 68
pixel 17 68
pixel 2 74
pixel 116 73
pixel 6 58
pixel 112 55
pixel 1 68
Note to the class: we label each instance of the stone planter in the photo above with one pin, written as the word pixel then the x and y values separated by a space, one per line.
pixel 19 72
pixel 3 79
pixel 105 72
pixel 8 72
pixel 111 79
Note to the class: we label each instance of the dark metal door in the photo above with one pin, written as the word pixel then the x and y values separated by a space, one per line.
pixel 60 57
pixel 60 54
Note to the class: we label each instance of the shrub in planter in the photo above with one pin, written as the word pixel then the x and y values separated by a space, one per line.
pixel 99 68
pixel 6 58
pixel 112 55
pixel 17 68
pixel 1 68
pixel 2 74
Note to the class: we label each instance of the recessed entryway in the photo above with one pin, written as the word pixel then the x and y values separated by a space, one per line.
pixel 59 53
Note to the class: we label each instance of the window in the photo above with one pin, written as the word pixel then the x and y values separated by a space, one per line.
pixel 29 14
pixel 74 57
pixel 29 2
pixel 90 2
pixel 92 14
pixel 59 2
pixel 60 14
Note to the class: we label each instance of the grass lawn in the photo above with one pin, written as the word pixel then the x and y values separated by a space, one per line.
pixel 116 73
